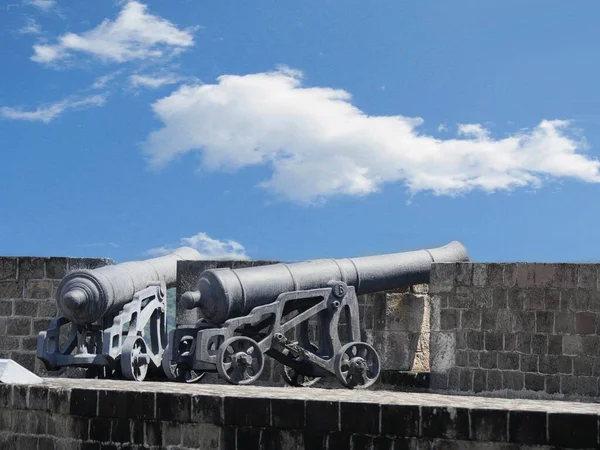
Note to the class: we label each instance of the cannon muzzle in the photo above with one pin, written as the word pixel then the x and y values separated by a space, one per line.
pixel 225 293
pixel 85 296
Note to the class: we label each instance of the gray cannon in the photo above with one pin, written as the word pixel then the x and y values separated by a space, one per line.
pixel 254 311
pixel 112 319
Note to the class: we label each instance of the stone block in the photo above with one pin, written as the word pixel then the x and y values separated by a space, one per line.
pixel 513 380
pixel 488 360
pixel 495 273
pixel 289 414
pixel 399 420
pixel 39 325
pixel 489 319
pixel 18 326
pixel 172 407
pixel 37 398
pixel 587 386
pixel 465 379
pixel 533 299
pixel 464 274
pixel 510 275
pixel 534 382
pixel 84 402
pixel 6 308
pixel 471 319
pixel 56 268
pixel 583 365
pixel 539 344
pixel 444 423
pixel 499 298
pixel 120 431
pixel 207 409
pixel 565 276
pixel 11 289
pixel 203 435
pixel 585 323
pixel 26 359
pixel 479 274
pixel 552 299
pixel 449 319
pixel 493 380
pixel 515 299
pixel 544 274
pixel 552 384
pixel 475 340
pixel 523 321
pixel 247 412
pixel 527 427
pixel 462 358
pixel 442 277
pixel 38 289
pixel 164 434
pixel 322 416
pixel 443 347
pixel 479 380
pixel 27 308
pixel 510 342
pixel 100 429
pixel 523 343
pixel 573 430
pixel 8 268
pixel 32 268
pixel 338 441
pixel 554 344
pixel 126 405
pixel 360 418
pixel 504 321
pixel 46 308
pixel 587 276
pixel 544 322
pixel 508 361
pixel 525 275
pixel 572 345
pixel 489 425
pixel 528 363
pixel 568 385
pixel 473 359
pixel 59 401
pixel 564 323
pixel 590 345
pixel 462 298
pixel 454 379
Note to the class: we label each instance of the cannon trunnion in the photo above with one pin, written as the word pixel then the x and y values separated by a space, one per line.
pixel 252 312
pixel 112 320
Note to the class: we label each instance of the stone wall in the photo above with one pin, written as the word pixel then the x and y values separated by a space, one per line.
pixel 516 329
pixel 103 414
pixel 27 302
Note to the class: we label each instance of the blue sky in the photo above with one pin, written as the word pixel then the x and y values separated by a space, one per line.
pixel 297 130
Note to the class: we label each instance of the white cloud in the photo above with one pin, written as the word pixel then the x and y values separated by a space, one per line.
pixel 153 81
pixel 32 27
pixel 209 248
pixel 104 80
pixel 318 144
pixel 42 4
pixel 133 35
pixel 49 112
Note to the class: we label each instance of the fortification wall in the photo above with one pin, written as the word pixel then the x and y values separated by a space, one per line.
pixel 27 302
pixel 516 329
pixel 108 414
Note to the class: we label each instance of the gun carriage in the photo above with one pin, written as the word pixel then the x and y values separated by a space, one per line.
pixel 112 319
pixel 252 312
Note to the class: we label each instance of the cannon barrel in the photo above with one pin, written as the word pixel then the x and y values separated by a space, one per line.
pixel 84 296
pixel 225 293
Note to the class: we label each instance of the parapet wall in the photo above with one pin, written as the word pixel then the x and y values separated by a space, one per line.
pixel 27 302
pixel 516 329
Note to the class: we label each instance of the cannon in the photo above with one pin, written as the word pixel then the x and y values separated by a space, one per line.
pixel 251 312
pixel 112 319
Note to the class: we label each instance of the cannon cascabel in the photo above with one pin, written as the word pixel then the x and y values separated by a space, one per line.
pixel 225 293
pixel 84 296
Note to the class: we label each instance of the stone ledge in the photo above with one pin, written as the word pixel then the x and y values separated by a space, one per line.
pixel 97 405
